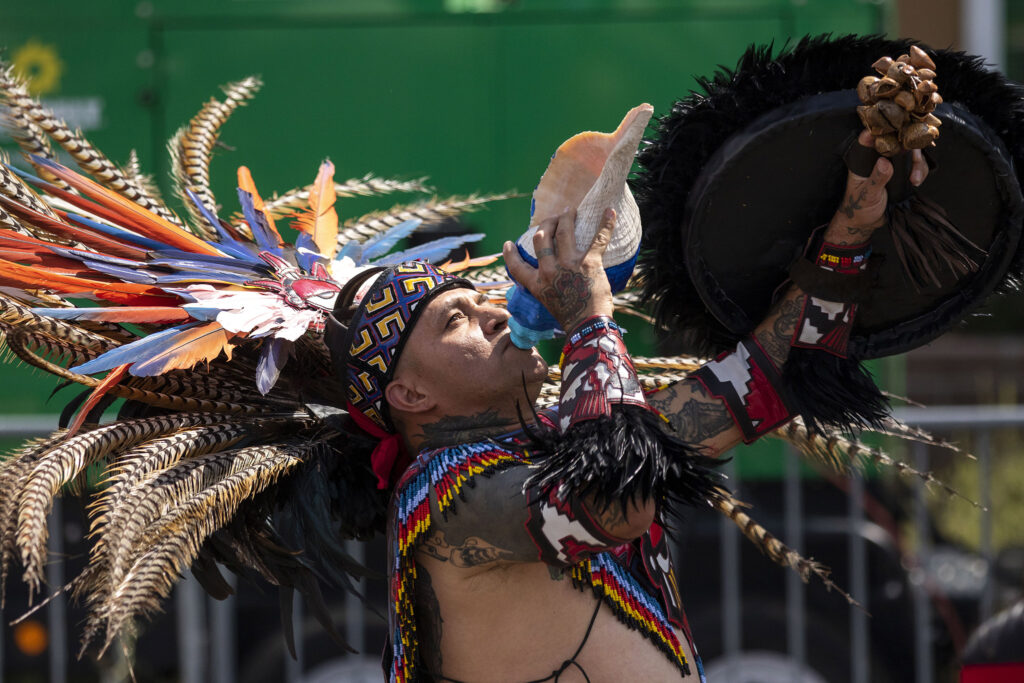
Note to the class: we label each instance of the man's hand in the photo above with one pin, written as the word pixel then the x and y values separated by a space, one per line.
pixel 863 208
pixel 570 282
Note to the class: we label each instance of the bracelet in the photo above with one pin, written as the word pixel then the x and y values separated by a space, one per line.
pixel 597 374
pixel 844 259
pixel 587 329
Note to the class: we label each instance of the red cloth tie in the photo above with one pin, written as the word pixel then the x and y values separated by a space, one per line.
pixel 389 450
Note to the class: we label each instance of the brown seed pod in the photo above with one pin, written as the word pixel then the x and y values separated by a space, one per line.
pixel 882 65
pixel 930 119
pixel 864 89
pixel 862 112
pixel 928 105
pixel 905 99
pixel 894 114
pixel 927 87
pixel 884 88
pixel 903 59
pixel 878 124
pixel 887 145
pixel 899 72
pixel 926 74
pixel 918 135
pixel 920 59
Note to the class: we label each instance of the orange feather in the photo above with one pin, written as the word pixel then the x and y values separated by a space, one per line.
pixel 101 243
pixel 246 183
pixel 135 314
pixel 321 220
pixel 198 344
pixel 28 277
pixel 112 378
pixel 467 262
pixel 145 221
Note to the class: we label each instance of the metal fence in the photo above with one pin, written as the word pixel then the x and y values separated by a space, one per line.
pixel 206 629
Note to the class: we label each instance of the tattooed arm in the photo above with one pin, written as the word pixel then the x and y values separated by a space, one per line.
pixel 704 420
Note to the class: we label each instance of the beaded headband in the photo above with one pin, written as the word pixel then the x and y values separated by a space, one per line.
pixel 370 347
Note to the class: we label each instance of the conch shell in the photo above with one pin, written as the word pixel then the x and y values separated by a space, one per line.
pixel 588 173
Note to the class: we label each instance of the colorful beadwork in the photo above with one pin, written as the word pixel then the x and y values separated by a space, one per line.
pixel 447 471
pixel 842 258
pixel 630 603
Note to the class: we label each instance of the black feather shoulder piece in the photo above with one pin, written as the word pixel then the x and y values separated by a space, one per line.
pixel 627 456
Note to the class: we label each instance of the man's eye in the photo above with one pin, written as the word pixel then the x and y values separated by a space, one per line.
pixel 451 320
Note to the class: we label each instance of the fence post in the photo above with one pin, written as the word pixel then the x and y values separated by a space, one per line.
pixel 57 609
pixel 732 630
pixel 985 499
pixel 222 625
pixel 191 637
pixel 860 668
pixel 923 664
pixel 796 621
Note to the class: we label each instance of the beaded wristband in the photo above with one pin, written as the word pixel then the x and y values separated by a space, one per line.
pixel 597 373
pixel 843 259
pixel 835 280
pixel 588 328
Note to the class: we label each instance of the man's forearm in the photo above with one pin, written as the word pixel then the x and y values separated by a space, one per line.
pixel 704 420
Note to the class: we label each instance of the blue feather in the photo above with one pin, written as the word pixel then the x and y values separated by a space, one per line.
pixel 258 224
pixel 353 250
pixel 185 276
pixel 435 250
pixel 306 252
pixel 242 269
pixel 273 356
pixel 118 233
pixel 201 312
pixel 94 256
pixel 382 243
pixel 227 244
pixel 178 255
pixel 136 275
pixel 137 351
pixel 63 313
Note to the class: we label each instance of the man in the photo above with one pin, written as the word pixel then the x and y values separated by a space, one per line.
pixel 490 569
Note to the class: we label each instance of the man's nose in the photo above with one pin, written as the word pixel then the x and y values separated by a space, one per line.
pixel 496 319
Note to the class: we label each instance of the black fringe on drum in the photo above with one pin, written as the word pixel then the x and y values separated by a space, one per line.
pixel 830 392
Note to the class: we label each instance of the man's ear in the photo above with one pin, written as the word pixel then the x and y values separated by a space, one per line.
pixel 407 397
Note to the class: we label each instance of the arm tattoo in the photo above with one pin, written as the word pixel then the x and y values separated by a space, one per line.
pixel 455 429
pixel 471 551
pixel 429 621
pixel 697 418
pixel 776 340
pixel 567 296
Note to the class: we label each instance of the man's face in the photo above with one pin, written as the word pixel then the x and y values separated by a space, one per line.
pixel 462 355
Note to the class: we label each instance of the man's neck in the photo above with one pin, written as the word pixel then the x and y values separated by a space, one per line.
pixel 455 429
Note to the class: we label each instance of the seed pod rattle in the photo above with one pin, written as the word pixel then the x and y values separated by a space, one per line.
pixel 898 103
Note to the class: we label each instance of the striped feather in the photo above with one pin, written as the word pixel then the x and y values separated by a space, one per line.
pixel 63 464
pixel 153 574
